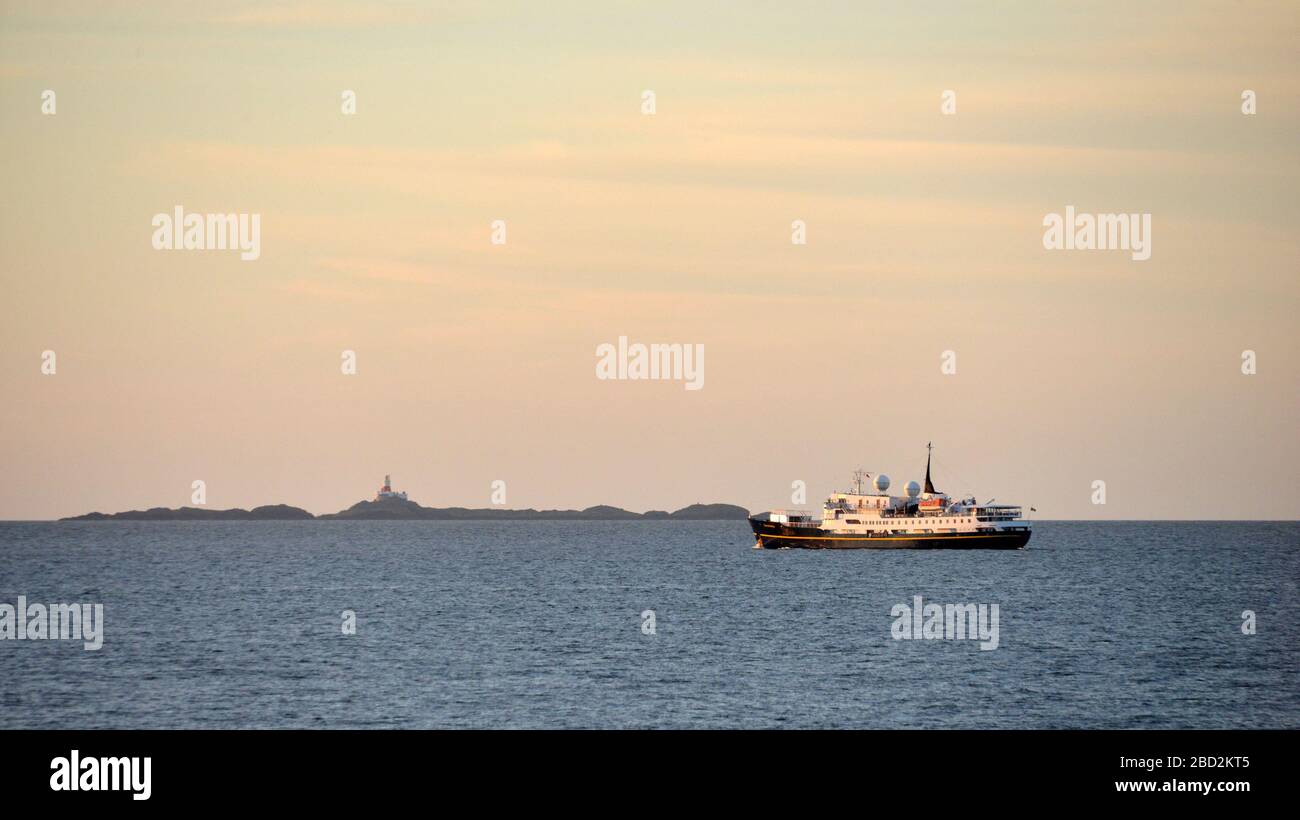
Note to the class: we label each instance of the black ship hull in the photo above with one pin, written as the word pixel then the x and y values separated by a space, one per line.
pixel 773 535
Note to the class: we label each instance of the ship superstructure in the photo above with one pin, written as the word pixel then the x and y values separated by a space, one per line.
pixel 870 518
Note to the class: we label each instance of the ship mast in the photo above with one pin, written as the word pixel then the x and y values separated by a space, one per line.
pixel 858 477
pixel 929 487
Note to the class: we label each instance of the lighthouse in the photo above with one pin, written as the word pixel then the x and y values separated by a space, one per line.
pixel 386 491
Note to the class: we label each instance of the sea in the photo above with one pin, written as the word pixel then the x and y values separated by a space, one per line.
pixel 648 624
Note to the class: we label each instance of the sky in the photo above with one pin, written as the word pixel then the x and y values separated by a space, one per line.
pixel 476 362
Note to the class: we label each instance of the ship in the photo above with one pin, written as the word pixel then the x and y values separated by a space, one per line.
pixel 870 518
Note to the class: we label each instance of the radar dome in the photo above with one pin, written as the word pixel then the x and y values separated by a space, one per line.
pixel 882 483
pixel 913 489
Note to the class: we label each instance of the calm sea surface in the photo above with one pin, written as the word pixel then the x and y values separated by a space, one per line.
pixel 538 624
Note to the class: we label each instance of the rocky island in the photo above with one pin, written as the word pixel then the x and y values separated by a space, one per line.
pixel 270 512
pixel 402 509
pixel 394 506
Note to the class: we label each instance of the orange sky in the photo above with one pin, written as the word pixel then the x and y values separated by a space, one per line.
pixel 476 362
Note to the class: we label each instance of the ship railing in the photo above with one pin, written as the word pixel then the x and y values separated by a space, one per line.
pixel 795 518
pixel 1000 513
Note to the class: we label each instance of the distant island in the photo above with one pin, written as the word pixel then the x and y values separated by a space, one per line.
pixel 271 512
pixel 390 509
pixel 391 506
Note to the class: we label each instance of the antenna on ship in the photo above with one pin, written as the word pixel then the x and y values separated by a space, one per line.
pixel 858 477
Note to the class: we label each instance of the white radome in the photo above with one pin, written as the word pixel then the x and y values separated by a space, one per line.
pixel 913 489
pixel 882 483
